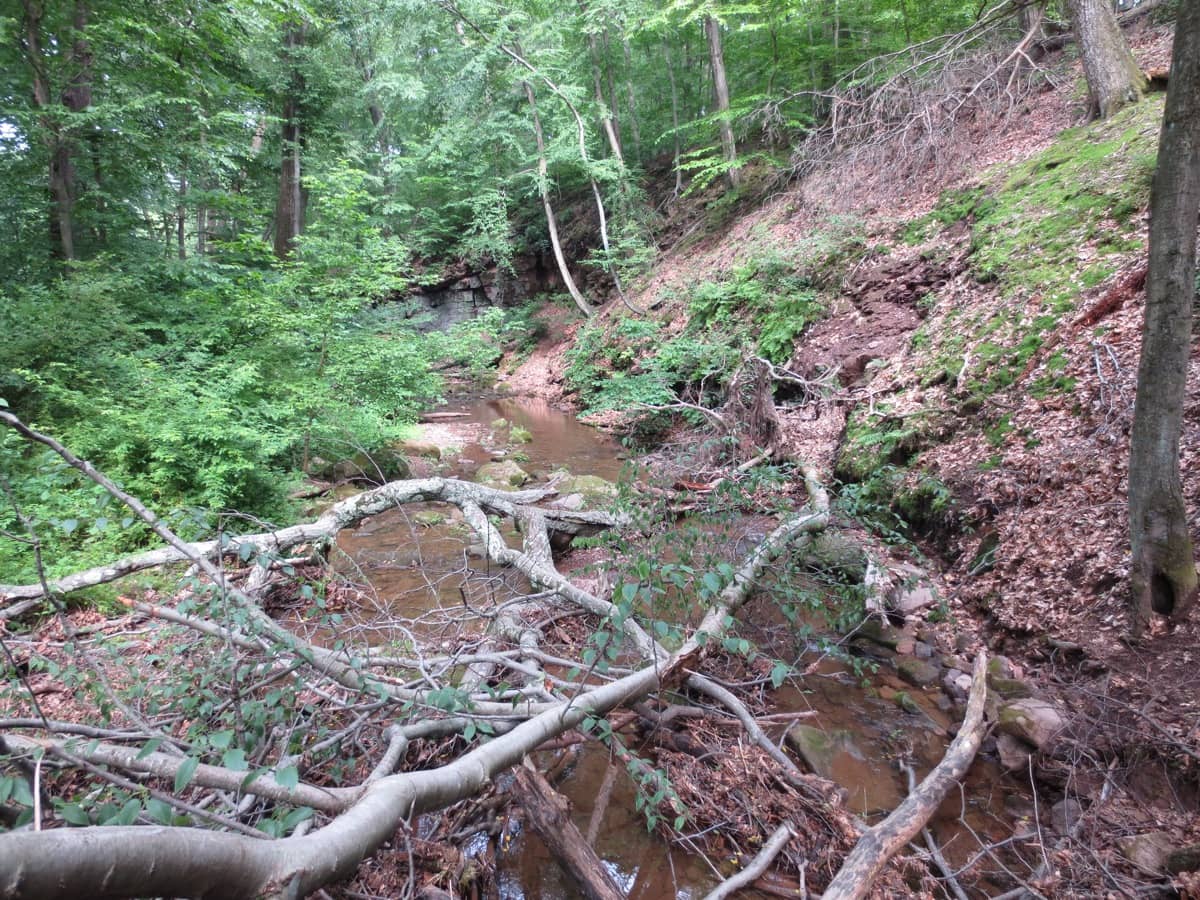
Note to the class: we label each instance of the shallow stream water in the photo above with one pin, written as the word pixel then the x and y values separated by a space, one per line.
pixel 422 571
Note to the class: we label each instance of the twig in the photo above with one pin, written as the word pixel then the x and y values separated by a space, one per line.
pixel 758 865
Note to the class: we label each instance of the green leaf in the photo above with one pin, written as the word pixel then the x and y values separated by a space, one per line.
pixel 68 525
pixel 149 747
pixel 235 759
pixel 220 740
pixel 186 772
pixel 74 814
pixel 160 811
pixel 778 673
pixel 288 777
pixel 21 793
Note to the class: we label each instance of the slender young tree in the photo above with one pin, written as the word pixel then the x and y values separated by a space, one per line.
pixel 1163 575
pixel 712 31
pixel 1113 77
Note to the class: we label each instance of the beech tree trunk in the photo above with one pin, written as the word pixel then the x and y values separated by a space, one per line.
pixel 712 31
pixel 1113 76
pixel 551 222
pixel 289 206
pixel 606 116
pixel 1163 575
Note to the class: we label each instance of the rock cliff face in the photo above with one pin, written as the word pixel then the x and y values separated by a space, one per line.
pixel 464 294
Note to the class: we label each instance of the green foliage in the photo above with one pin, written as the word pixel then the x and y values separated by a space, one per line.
pixel 206 384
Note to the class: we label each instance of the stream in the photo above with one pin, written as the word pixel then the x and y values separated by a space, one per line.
pixel 419 562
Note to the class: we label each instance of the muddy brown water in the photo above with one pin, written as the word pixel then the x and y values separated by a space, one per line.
pixel 421 571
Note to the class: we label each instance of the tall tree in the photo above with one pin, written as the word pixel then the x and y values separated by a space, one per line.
pixel 1113 76
pixel 712 31
pixel 289 206
pixel 1163 575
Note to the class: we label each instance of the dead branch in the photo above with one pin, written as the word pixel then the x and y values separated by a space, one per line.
pixel 549 813
pixel 127 861
pixel 758 865
pixel 873 850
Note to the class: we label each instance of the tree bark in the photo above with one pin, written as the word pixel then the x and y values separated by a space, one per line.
pixel 62 235
pixel 606 116
pixel 289 205
pixel 712 31
pixel 873 850
pixel 1113 77
pixel 549 814
pixel 1163 575
pixel 551 222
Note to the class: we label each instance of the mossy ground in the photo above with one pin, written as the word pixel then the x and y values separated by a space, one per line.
pixel 1044 233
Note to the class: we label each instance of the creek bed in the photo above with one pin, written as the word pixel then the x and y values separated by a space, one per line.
pixel 422 573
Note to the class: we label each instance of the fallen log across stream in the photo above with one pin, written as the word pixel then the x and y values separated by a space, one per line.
pixel 120 861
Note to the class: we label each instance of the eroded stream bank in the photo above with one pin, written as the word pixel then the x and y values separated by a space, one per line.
pixel 852 721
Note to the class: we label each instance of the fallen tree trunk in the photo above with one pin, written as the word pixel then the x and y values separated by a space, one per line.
pixel 878 845
pixel 341 515
pixel 124 861
pixel 549 814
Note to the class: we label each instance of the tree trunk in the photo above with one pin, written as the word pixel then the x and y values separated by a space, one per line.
pixel 674 117
pixel 606 118
pixel 549 814
pixel 62 242
pixel 1113 76
pixel 551 222
pixel 712 31
pixel 1163 575
pixel 289 206
pixel 631 97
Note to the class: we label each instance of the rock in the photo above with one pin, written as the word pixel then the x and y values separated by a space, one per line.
pixel 505 475
pixel 425 449
pixel 519 435
pixel 593 488
pixel 880 633
pixel 962 643
pixel 839 556
pixel 922 650
pixel 1009 688
pixel 918 672
pixel 1000 667
pixel 1185 859
pixel 388 464
pixel 819 748
pixel 1014 753
pixel 1064 815
pixel 905 701
pixel 571 502
pixel 1149 851
pixel 906 646
pixel 957 684
pixel 1037 722
pixel 911 601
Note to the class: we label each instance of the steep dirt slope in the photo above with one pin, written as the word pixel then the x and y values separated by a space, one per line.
pixel 979 355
